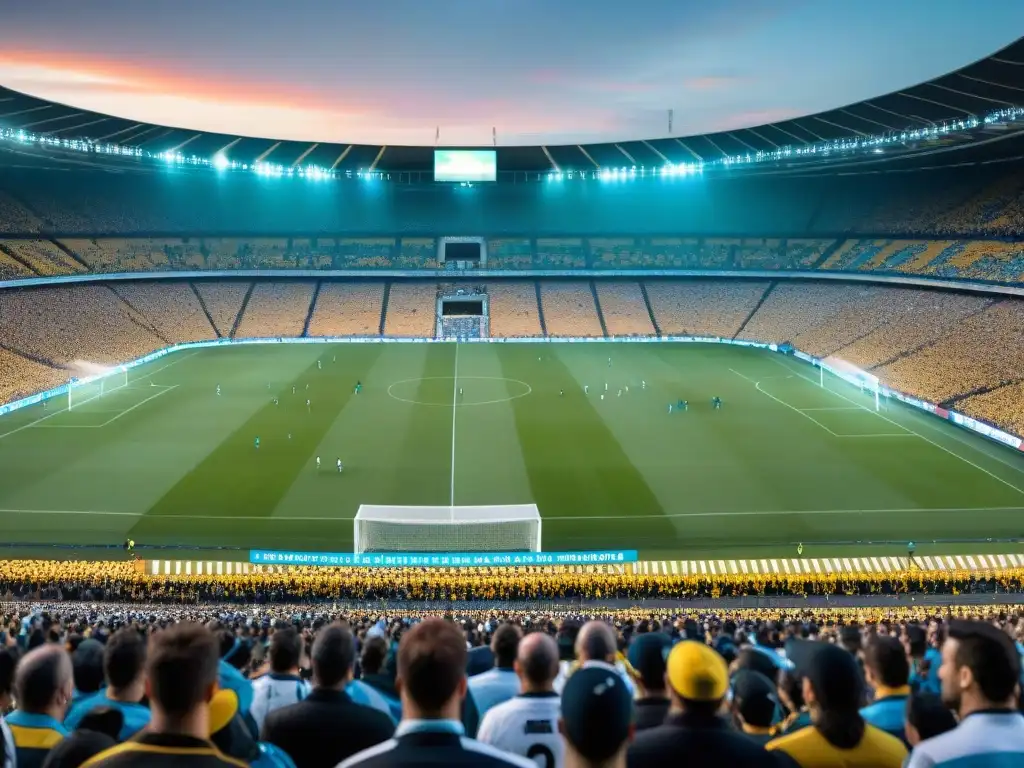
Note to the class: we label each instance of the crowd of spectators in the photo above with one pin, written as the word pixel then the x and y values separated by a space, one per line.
pixel 714 308
pixel 110 685
pixel 569 309
pixel 347 309
pixel 624 309
pixel 513 309
pixel 276 309
pixel 412 310
pixel 125 582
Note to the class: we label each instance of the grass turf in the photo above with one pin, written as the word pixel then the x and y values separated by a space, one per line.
pixel 166 461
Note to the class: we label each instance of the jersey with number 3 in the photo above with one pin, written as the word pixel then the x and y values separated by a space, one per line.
pixel 526 725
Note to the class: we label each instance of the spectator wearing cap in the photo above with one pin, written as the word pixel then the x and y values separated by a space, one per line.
pixel 647 656
pixel 527 724
pixel 927 717
pixel 327 726
pixel 980 676
pixel 181 682
pixel 887 671
pixel 597 719
pixel 124 666
pixel 694 734
pixel 500 683
pixel 834 691
pixel 8 661
pixel 754 703
pixel 432 684
pixel 283 685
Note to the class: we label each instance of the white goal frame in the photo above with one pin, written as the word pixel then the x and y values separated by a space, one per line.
pixel 454 520
pixel 107 382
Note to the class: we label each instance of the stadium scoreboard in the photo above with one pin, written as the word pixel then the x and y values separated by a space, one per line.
pixel 465 165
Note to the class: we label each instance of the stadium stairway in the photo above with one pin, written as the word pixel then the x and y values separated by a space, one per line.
pixel 827 253
pixel 139 318
pixel 919 347
pixel 951 402
pixel 30 356
pixel 241 310
pixel 764 297
pixel 650 309
pixel 879 565
pixel 540 309
pixel 597 306
pixel 384 308
pixel 13 255
pixel 312 306
pixel 206 311
pixel 71 254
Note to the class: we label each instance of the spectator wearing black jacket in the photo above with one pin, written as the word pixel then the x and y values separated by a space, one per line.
pixel 694 734
pixel 646 656
pixel 327 726
pixel 432 684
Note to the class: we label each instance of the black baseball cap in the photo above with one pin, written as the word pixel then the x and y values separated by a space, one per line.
pixel 597 711
pixel 647 655
pixel 755 697
pixel 832 670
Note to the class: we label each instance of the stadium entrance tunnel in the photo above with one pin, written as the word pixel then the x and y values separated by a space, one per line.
pixel 449 391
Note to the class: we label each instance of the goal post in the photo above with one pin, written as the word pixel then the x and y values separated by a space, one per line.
pixel 867 382
pixel 82 391
pixel 501 528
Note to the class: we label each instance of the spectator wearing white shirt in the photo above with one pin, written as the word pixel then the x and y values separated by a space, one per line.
pixel 500 683
pixel 283 685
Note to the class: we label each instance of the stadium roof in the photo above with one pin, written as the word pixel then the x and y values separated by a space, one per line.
pixel 958 103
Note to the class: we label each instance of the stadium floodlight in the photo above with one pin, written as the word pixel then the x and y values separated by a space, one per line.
pixel 501 528
pixel 866 382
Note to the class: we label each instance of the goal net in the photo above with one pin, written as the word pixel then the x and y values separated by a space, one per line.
pixel 851 374
pixel 84 390
pixel 510 528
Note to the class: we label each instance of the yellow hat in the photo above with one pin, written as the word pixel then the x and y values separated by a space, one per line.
pixel 697 672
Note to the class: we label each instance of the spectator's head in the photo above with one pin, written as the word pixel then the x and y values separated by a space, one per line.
pixel 285 651
pixel 791 689
pixel 537 663
pixel 43 681
pixel 850 639
pixel 597 717
pixel 504 644
pixel 886 666
pixel 181 679
pixel 124 665
pixel 432 671
pixel 97 732
pixel 833 689
pixel 756 661
pixel 927 716
pixel 375 653
pixel 915 641
pixel 596 642
pixel 87 662
pixel 754 701
pixel 334 656
pixel 697 677
pixel 980 668
pixel 647 656
pixel 8 663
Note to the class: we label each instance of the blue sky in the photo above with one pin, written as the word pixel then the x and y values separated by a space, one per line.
pixel 538 71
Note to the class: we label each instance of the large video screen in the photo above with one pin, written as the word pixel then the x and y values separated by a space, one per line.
pixel 465 165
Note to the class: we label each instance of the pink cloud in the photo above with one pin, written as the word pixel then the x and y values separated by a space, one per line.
pixel 712 82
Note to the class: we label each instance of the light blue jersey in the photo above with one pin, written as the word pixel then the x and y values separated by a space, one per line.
pixel 982 740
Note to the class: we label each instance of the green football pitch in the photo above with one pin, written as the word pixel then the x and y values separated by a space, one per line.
pixel 166 461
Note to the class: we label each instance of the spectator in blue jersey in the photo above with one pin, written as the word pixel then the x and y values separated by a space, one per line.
pixel 372 661
pixel 888 672
pixel 924 660
pixel 124 666
pixel 233 650
pixel 500 683
pixel 43 687
pixel 87 664
pixel 980 676
pixel 283 685
pixel 927 717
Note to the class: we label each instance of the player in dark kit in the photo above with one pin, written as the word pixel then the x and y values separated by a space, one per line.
pixel 716 401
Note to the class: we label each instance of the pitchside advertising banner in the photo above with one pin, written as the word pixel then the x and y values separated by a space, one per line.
pixel 980 427
pixel 442 559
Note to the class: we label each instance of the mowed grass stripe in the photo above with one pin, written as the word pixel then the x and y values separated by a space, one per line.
pixel 236 478
pixel 574 462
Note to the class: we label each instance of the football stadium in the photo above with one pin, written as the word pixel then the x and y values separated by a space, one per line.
pixel 371 396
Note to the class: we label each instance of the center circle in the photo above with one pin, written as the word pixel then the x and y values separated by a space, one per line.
pixel 442 391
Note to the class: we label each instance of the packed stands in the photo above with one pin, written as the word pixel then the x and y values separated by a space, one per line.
pixel 512 253
pixel 20 377
pixel 43 256
pixel 569 309
pixel 792 308
pixel 703 307
pixel 15 218
pixel 171 308
pixel 347 309
pixel 513 309
pixel 861 309
pixel 983 350
pixel 995 208
pixel 276 309
pixel 412 309
pixel 357 253
pixel 11 268
pixel 78 322
pixel 417 253
pixel 561 253
pixel 120 255
pixel 625 312
pixel 223 300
